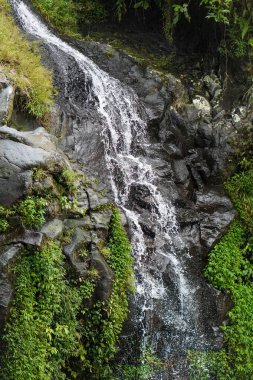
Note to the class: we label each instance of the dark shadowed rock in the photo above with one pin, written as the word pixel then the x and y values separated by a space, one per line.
pixel 7 254
pixel 106 276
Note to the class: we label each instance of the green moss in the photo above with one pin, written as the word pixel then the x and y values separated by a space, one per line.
pixel 20 61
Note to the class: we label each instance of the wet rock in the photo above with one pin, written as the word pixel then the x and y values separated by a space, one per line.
pixel 204 136
pixel 7 254
pixel 140 196
pixel 95 199
pixel 213 85
pixel 181 172
pixel 82 222
pixel 202 105
pixel 83 200
pixel 102 219
pixel 20 153
pixel 80 239
pixel 29 237
pixel 53 229
pixel 214 225
pixel 146 82
pixel 14 185
pixel 106 276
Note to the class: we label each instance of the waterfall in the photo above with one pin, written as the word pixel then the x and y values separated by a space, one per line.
pixel 125 137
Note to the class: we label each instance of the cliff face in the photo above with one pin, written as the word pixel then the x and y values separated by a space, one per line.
pixel 186 150
pixel 75 211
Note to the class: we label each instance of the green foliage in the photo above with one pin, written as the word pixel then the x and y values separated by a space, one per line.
pixel 149 365
pixel 120 6
pixel 4 225
pixel 42 331
pixel 68 179
pixel 239 333
pixel 39 174
pixel 209 365
pixel 180 10
pixel 91 12
pixel 87 289
pixel 218 10
pixel 59 13
pixel 103 321
pixel 20 61
pixel 231 268
pixel 32 211
pixel 235 15
pixel 227 259
pixel 240 190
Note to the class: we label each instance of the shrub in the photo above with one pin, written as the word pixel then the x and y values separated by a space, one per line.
pixel 32 211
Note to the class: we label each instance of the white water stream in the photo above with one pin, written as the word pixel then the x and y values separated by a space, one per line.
pixel 124 128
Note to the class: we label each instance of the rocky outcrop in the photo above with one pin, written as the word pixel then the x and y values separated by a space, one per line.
pixel 187 148
pixel 20 153
pixel 80 228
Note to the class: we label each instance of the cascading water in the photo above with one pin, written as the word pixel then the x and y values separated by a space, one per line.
pixel 124 136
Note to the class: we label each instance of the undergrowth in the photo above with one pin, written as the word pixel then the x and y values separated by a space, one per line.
pixel 21 62
pixel 230 269
pixel 41 334
pixel 57 329
pixel 61 14
pixel 103 322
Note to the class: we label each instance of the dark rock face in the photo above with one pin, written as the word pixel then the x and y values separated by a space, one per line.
pixel 20 154
pixel 7 254
pixel 188 149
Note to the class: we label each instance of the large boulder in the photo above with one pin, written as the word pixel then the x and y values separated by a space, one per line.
pixel 20 153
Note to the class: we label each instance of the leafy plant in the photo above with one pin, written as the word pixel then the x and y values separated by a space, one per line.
pixel 103 321
pixel 59 13
pixel 41 334
pixel 4 225
pixel 230 268
pixel 209 365
pixel 32 211
pixel 180 10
